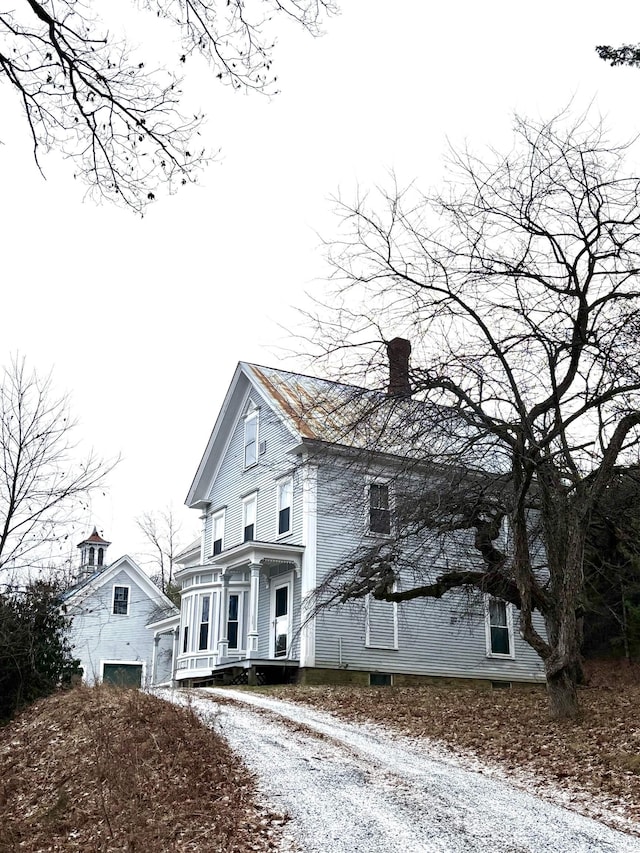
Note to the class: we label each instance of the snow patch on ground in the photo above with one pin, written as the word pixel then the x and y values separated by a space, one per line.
pixel 350 787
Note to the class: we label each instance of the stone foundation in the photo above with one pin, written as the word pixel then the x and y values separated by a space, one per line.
pixel 318 675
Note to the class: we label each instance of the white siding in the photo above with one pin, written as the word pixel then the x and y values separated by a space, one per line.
pixel 435 637
pixel 233 482
pixel 445 637
pixel 98 635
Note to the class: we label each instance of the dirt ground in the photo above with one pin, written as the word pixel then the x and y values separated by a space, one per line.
pixel 595 759
pixel 109 770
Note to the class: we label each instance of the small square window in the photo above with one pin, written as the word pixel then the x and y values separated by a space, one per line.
pixel 380 679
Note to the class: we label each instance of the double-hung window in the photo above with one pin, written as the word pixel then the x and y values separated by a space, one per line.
pixel 233 620
pixel 205 613
pixel 217 533
pixel 121 600
pixel 285 506
pixel 379 509
pixel 251 438
pixel 249 511
pixel 499 628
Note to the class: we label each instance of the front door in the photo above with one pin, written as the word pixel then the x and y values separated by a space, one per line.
pixel 281 621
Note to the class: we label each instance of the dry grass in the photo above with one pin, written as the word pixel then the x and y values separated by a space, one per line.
pixel 594 761
pixel 108 770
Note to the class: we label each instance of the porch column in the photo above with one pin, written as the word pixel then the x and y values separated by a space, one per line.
pixel 223 619
pixel 254 596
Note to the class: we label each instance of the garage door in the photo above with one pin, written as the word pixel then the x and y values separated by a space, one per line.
pixel 122 674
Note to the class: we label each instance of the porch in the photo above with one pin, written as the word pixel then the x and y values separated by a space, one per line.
pixel 237 615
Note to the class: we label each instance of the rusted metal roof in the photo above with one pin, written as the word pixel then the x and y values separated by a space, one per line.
pixel 373 421
pixel 94 539
pixel 317 408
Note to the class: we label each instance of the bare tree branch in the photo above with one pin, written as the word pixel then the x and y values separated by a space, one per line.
pixel 84 93
pixel 43 486
pixel 518 289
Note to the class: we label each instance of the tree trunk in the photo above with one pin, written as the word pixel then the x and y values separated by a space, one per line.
pixel 562 694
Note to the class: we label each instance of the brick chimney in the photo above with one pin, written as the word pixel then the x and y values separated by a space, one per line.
pixel 398 352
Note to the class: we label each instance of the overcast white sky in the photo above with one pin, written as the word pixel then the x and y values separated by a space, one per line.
pixel 144 320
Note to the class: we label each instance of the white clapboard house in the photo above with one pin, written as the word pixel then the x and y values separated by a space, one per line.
pixel 283 503
pixel 122 627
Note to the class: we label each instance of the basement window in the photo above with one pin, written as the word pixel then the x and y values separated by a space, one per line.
pixel 380 679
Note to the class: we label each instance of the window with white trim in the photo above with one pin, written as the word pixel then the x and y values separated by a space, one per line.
pixel 121 600
pixel 251 438
pixel 379 509
pixel 285 506
pixel 249 513
pixel 217 533
pixel 233 620
pixel 381 624
pixel 205 615
pixel 499 628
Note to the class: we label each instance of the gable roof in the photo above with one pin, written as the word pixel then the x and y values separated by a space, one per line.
pixel 346 416
pixel 303 403
pixel 106 574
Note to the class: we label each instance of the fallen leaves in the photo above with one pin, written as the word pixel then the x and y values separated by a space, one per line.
pixel 103 769
pixel 594 761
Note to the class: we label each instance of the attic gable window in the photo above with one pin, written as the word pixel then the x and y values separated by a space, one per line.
pixel 121 600
pixel 379 509
pixel 251 438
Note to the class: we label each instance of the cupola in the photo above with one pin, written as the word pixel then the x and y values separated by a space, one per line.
pixel 93 551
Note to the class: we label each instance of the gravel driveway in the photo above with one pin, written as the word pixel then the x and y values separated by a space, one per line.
pixel 351 788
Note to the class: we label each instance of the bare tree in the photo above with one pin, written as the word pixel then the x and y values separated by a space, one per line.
pixel 518 288
pixel 84 92
pixel 161 530
pixel 42 484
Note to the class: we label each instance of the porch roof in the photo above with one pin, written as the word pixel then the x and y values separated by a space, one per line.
pixel 253 552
